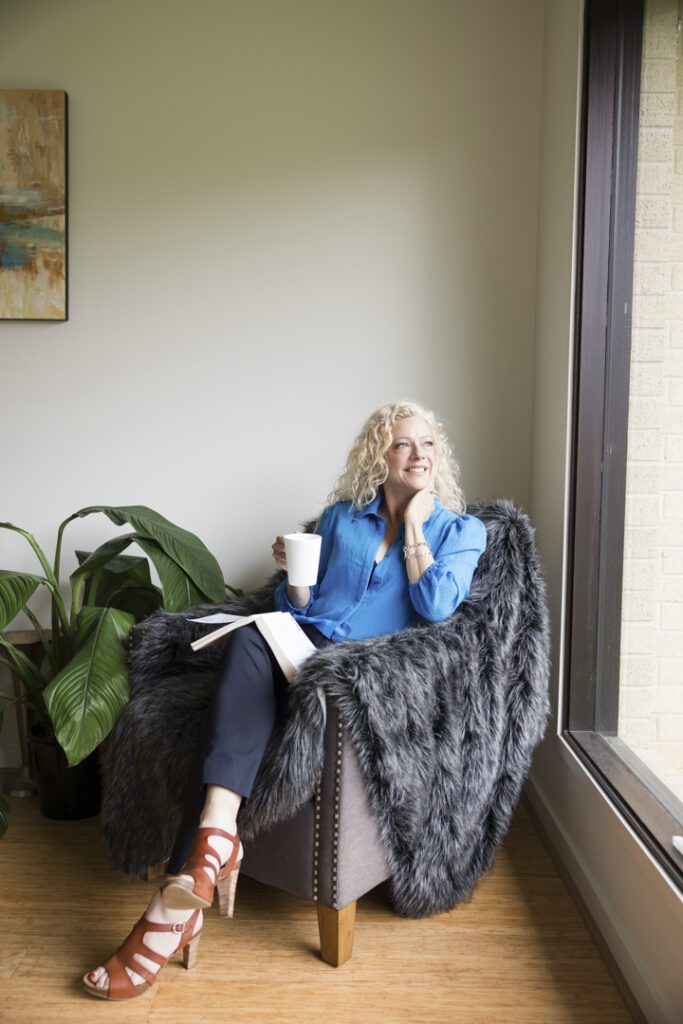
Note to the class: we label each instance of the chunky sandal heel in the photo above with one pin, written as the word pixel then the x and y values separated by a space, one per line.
pixel 226 885
pixel 191 951
pixel 198 890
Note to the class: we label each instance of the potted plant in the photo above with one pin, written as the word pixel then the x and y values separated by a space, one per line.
pixel 76 693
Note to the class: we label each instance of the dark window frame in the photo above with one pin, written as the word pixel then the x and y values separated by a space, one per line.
pixel 608 166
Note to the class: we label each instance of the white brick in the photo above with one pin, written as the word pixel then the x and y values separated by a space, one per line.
pixel 672 507
pixel 636 731
pixel 672 561
pixel 647 379
pixel 673 448
pixel 657 110
pixel 672 753
pixel 639 542
pixel 640 509
pixel 652 244
pixel 669 643
pixel 670 476
pixel 671 616
pixel 676 247
pixel 659 37
pixel 640 700
pixel 639 574
pixel 655 179
pixel 637 671
pixel 644 414
pixel 644 445
pixel 669 533
pixel 658 76
pixel 675 392
pixel 672 419
pixel 670 588
pixel 672 364
pixel 638 606
pixel 638 637
pixel 641 478
pixel 653 212
pixel 673 306
pixel 668 672
pixel 634 702
pixel 652 279
pixel 676 331
pixel 647 346
pixel 670 727
pixel 655 145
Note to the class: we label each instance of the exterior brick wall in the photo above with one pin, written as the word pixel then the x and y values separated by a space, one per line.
pixel 651 677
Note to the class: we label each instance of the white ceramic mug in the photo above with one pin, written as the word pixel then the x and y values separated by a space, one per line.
pixel 302 552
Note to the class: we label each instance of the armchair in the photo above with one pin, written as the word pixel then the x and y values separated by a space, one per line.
pixel 414 775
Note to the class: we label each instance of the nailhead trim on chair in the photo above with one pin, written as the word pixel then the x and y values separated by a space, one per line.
pixel 335 830
pixel 316 841
pixel 335 833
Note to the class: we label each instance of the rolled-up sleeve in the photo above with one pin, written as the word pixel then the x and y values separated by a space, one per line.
pixel 280 599
pixel 446 583
pixel 283 604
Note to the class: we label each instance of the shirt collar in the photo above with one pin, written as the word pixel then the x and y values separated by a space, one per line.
pixel 372 508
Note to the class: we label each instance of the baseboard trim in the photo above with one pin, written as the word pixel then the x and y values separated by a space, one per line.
pixel 603 948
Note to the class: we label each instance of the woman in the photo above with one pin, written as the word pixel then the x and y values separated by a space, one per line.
pixel 397 549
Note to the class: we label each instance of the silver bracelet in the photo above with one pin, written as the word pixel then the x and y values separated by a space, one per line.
pixel 408 549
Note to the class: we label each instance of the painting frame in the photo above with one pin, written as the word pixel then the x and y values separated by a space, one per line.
pixel 34 213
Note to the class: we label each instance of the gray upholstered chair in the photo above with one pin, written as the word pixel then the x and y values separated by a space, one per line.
pixel 330 851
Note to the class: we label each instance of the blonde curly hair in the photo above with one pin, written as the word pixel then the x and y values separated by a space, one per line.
pixel 366 467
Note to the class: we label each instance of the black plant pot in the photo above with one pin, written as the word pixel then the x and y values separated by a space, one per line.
pixel 64 792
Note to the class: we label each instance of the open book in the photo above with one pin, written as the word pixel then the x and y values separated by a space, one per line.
pixel 282 633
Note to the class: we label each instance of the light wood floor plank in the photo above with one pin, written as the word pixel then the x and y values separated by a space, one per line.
pixel 518 951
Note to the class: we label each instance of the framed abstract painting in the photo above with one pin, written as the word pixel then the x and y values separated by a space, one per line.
pixel 33 283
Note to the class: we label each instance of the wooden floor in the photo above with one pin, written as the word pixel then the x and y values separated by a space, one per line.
pixel 517 952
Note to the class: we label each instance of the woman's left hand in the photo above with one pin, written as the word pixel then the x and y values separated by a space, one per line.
pixel 420 507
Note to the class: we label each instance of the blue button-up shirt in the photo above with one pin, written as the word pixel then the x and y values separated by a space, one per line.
pixel 355 597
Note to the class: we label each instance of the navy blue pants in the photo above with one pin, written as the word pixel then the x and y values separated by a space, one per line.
pixel 238 723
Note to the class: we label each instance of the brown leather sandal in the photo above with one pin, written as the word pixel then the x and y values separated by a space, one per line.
pixel 180 894
pixel 121 986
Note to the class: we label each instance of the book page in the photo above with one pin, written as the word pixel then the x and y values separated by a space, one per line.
pixel 216 634
pixel 219 617
pixel 287 640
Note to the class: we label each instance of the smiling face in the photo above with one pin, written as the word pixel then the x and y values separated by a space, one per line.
pixel 411 457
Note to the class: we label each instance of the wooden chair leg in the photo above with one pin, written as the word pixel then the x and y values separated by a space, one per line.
pixel 336 933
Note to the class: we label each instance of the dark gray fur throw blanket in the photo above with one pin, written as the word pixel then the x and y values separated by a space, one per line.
pixel 444 716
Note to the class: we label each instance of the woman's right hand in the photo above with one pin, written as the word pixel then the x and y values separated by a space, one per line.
pixel 279 552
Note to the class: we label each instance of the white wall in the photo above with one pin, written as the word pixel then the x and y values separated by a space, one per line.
pixel 637 911
pixel 280 217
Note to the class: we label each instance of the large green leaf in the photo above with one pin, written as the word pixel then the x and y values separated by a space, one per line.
pixel 15 590
pixel 183 547
pixel 104 553
pixel 178 590
pixel 123 582
pixel 85 699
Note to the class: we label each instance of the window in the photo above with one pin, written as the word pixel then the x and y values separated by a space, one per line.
pixel 623 711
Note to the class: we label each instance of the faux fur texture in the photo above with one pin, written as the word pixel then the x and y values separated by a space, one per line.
pixel 445 718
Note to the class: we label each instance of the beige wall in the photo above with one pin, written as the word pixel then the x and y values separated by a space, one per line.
pixel 281 216
pixel 638 912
